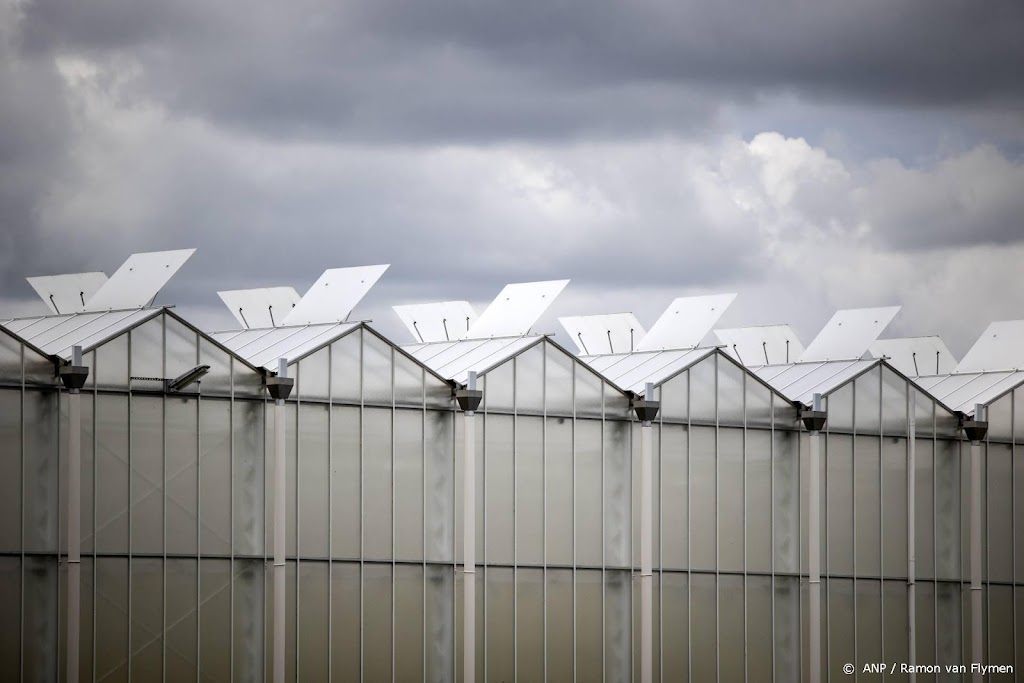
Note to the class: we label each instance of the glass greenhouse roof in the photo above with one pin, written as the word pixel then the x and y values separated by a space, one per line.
pixel 453 360
pixel 800 381
pixel 56 334
pixel 262 347
pixel 632 371
pixel 961 391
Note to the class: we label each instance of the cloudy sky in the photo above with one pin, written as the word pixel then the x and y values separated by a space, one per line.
pixel 807 154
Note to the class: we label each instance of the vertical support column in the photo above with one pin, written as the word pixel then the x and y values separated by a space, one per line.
pixel 814 421
pixel 646 411
pixel 74 377
pixel 279 387
pixel 975 430
pixel 911 531
pixel 469 400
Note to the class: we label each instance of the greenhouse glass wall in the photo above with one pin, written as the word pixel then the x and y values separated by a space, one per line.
pixel 177 510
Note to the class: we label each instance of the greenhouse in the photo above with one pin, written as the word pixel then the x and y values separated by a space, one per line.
pixel 650 463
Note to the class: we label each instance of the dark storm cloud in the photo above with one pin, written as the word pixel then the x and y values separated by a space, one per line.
pixel 479 70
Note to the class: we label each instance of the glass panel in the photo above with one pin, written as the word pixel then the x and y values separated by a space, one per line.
pixel 841 637
pixel 702 390
pixel 617 623
pixel 1000 626
pixel 440 624
pixel 924 501
pixel 111 619
pixel 948 624
pixel 558 627
pixel 499 388
pixel 529 490
pixel 702 498
pixel 345 624
pixel 894 507
pixel 588 626
pixel 732 648
pixel 786 501
pixel 839 502
pixel 218 380
pixel 10 469
pixel 439 474
pixel 758 491
pixel 1000 421
pixel 587 496
pixel 759 404
pixel 345 482
pixel 377 460
pixel 558 381
pixel 675 626
pixel 377 381
pixel 674 479
pixel 616 494
pixel 500 598
pixel 866 502
pixel 730 499
pixel 247 620
pixel 148 352
pixel 868 596
pixel 924 414
pixel 530 380
pixel 703 640
pixel 868 390
pixel 215 476
pixel 314 617
pixel 39 625
pixel 41 430
pixel 529 624
pixel 182 469
pixel 377 622
pixel 247 470
pixel 147 619
pixel 787 628
pixel 180 619
pixel 408 622
pixel 558 463
pixel 1018 513
pixel 182 346
pixel 437 393
pixel 111 479
pixel 346 367
pixel 759 627
pixel 999 496
pixel 588 393
pixel 947 510
pixel 111 364
pixel 313 377
pixel 409 484
pixel 10 358
pixel 147 476
pixel 215 618
pixel 895 645
pixel 499 476
pixel 924 611
pixel 408 380
pixel 840 409
pixel 314 480
pixel 675 398
pixel 730 392
pixel 894 404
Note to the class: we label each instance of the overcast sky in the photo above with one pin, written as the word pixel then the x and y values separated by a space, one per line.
pixel 808 154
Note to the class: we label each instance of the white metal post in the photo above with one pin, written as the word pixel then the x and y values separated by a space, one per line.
pixel 975 549
pixel 911 533
pixel 646 541
pixel 814 549
pixel 279 529
pixel 469 542
pixel 74 522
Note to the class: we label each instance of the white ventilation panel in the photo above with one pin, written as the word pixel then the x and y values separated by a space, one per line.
pixel 600 334
pixel 1001 347
pixel 849 333
pixel 139 279
pixel 258 308
pixel 332 297
pixel 516 309
pixel 766 345
pixel 435 322
pixel 686 322
pixel 915 356
pixel 67 293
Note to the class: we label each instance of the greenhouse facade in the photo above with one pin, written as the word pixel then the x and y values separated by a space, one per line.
pixel 178 497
